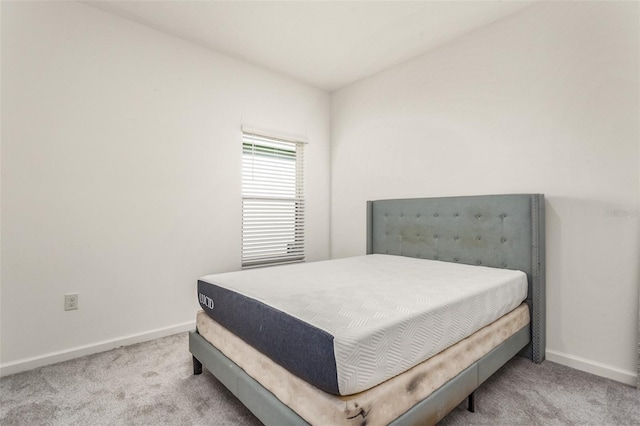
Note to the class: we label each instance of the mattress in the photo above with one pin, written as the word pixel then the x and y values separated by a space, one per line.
pixel 379 405
pixel 347 325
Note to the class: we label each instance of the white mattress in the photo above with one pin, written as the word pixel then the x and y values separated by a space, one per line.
pixel 386 313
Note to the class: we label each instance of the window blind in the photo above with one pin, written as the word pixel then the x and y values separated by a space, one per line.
pixel 272 201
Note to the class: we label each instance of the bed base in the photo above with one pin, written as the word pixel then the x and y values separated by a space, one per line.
pixel 271 411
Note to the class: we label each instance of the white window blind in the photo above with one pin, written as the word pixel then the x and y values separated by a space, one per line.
pixel 272 201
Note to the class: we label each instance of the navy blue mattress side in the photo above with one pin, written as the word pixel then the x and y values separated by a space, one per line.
pixel 301 348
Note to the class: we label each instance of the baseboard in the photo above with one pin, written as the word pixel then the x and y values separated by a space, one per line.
pixel 593 367
pixel 78 351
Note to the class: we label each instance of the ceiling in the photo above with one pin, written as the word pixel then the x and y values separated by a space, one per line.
pixel 327 44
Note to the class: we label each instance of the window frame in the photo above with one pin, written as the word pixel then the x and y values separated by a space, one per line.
pixel 273 201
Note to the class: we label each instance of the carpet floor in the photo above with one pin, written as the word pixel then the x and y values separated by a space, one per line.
pixel 152 384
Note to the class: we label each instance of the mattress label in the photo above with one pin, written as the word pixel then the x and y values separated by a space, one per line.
pixel 205 300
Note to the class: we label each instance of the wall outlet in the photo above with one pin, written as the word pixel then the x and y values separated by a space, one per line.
pixel 70 301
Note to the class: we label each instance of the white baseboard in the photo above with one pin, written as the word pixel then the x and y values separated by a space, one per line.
pixel 78 351
pixel 593 367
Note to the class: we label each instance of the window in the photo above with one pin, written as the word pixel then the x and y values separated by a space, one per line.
pixel 272 201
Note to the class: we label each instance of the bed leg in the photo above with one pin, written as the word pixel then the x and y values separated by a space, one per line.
pixel 197 366
pixel 471 402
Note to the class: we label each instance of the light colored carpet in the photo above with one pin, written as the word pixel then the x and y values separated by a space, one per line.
pixel 152 384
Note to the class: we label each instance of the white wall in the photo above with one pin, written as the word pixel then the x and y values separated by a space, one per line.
pixel 544 101
pixel 121 175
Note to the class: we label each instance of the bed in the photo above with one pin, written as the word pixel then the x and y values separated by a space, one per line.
pixel 496 233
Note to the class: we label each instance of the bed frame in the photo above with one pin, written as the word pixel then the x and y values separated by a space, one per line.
pixel 501 231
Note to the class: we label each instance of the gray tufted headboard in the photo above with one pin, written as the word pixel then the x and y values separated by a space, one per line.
pixel 500 231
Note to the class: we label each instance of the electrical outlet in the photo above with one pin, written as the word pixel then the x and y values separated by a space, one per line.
pixel 70 301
